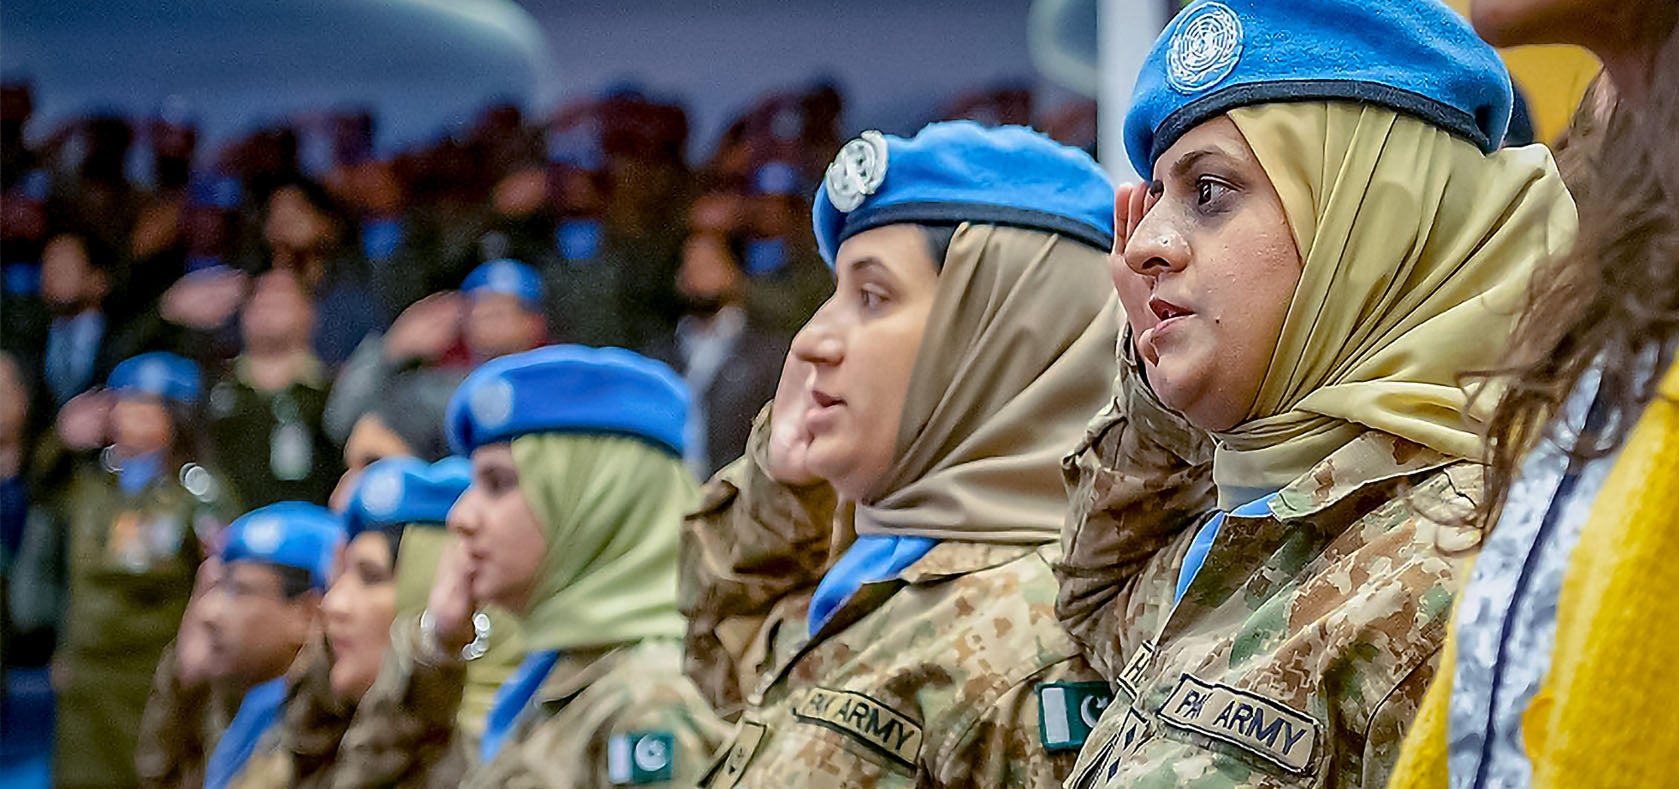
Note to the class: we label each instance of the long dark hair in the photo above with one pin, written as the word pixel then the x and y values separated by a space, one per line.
pixel 1614 300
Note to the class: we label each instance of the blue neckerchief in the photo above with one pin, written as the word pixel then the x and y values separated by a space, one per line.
pixel 874 557
pixel 14 513
pixel 511 699
pixel 137 472
pixel 257 714
pixel 1203 542
pixel 380 238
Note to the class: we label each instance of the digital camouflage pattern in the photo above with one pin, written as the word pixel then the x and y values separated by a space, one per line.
pixel 928 679
pixel 1301 649
pixel 750 560
pixel 619 717
pixel 593 703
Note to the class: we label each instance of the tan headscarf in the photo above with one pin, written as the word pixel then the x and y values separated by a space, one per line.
pixel 1017 355
pixel 1418 251
pixel 611 511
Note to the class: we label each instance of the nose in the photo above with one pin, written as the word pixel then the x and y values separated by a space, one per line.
pixel 336 605
pixel 819 342
pixel 462 520
pixel 1157 247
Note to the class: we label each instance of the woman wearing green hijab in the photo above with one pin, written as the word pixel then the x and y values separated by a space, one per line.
pixel 571 523
pixel 1332 246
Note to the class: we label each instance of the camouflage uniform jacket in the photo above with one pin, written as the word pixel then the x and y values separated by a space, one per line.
pixel 932 678
pixel 1303 646
pixel 302 750
pixel 615 717
pixel 751 557
pixel 179 728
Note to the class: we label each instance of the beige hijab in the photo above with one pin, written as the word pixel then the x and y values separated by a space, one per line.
pixel 1017 355
pixel 1418 251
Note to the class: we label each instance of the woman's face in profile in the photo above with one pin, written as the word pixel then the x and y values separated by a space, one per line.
pixel 862 345
pixel 1216 267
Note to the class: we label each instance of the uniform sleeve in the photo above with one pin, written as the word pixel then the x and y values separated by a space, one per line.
pixel 404 729
pixel 665 741
pixel 171 750
pixel 1004 747
pixel 1411 706
pixel 1139 479
pixel 752 543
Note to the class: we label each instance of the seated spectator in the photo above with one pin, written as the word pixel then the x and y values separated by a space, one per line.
pixel 730 364
pixel 265 415
pixel 308 234
pixel 81 347
pixel 441 338
pixel 275 566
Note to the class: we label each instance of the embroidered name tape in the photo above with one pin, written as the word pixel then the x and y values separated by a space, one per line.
pixel 1275 732
pixel 725 773
pixel 1068 712
pixel 641 758
pixel 868 721
pixel 1131 677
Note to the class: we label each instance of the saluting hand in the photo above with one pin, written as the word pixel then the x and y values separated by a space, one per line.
pixel 450 603
pixel 789 438
pixel 1131 203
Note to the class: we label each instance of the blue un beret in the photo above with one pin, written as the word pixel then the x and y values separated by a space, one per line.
pixel 960 171
pixel 289 534
pixel 568 389
pixel 399 491
pixel 1413 56
pixel 157 374
pixel 509 277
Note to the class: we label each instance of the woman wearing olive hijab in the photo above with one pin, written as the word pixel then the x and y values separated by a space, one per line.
pixel 970 333
pixel 1331 247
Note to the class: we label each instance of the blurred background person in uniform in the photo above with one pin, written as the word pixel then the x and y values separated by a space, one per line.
pixel 275 565
pixel 498 311
pixel 571 523
pixel 138 517
pixel 31 594
pixel 266 414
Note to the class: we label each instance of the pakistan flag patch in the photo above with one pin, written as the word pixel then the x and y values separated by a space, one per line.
pixel 1068 711
pixel 640 758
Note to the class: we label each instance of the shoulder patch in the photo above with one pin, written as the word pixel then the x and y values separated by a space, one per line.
pixel 1277 733
pixel 1068 711
pixel 640 758
pixel 862 718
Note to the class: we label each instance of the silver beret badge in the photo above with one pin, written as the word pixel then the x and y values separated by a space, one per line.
pixel 857 171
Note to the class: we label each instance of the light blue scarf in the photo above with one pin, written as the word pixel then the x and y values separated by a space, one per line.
pixel 512 698
pixel 873 557
pixel 257 714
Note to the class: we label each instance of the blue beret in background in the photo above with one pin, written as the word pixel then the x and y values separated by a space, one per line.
pixel 289 534
pixel 402 491
pixel 508 277
pixel 157 374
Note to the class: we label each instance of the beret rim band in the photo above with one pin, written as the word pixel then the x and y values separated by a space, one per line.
pixel 1451 119
pixel 867 218
pixel 476 442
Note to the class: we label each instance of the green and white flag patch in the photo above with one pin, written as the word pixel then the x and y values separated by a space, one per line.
pixel 1068 711
pixel 640 758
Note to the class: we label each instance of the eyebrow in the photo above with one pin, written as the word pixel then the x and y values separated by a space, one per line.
pixel 868 262
pixel 1185 163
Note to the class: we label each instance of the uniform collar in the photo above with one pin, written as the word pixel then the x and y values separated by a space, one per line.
pixel 1372 458
pixel 576 670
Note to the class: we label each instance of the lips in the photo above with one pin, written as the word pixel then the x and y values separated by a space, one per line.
pixel 1166 310
pixel 824 400
pixel 823 409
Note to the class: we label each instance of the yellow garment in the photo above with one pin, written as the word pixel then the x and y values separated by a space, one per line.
pixel 1018 353
pixel 416 565
pixel 611 512
pixel 1417 252
pixel 1608 713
